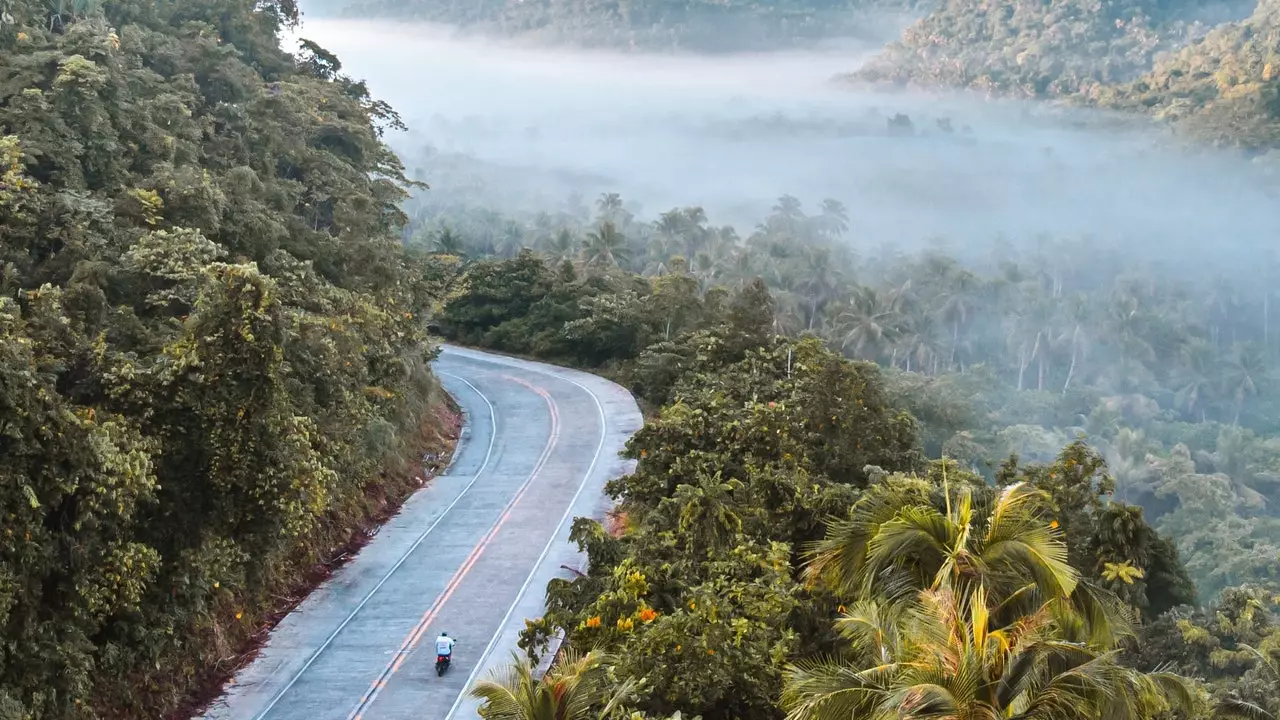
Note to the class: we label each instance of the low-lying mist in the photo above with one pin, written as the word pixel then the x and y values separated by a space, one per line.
pixel 733 133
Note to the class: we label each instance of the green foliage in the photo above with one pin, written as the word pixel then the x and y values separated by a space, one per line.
pixel 567 692
pixel 949 654
pixel 1172 383
pixel 1234 644
pixel 1223 87
pixel 209 331
pixel 701 25
pixel 1029 49
pixel 1216 82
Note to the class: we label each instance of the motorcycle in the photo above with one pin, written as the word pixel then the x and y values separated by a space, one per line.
pixel 442 664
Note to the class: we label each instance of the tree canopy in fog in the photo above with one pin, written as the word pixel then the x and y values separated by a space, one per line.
pixel 961 403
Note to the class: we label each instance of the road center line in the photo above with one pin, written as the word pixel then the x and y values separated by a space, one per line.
pixel 604 428
pixel 415 635
pixel 493 425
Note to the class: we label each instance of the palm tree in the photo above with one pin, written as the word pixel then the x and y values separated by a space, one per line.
pixel 1242 373
pixel 955 305
pixel 868 325
pixel 943 656
pixel 448 242
pixel 895 542
pixel 1194 377
pixel 921 341
pixel 819 282
pixel 605 247
pixel 609 205
pixel 834 220
pixel 576 688
pixel 670 228
pixel 1267 667
pixel 560 246
pixel 511 240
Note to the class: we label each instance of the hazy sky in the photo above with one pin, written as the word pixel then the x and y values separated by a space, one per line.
pixel 734 133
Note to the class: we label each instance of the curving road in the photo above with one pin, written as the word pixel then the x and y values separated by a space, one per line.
pixel 469 554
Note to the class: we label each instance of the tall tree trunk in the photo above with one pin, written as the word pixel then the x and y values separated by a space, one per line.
pixel 1026 359
pixel 955 340
pixel 1071 371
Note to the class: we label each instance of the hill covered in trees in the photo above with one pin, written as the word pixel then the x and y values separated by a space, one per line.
pixel 1171 377
pixel 697 25
pixel 1208 68
pixel 1036 483
pixel 787 546
pixel 215 358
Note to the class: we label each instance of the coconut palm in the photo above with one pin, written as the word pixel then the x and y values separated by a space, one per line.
pixel 1242 372
pixel 943 655
pixel 895 542
pixel 870 323
pixel 834 220
pixel 511 240
pixel 560 246
pixel 448 242
pixel 605 247
pixel 575 688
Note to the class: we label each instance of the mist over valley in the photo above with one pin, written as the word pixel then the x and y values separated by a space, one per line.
pixel 941 338
pixel 521 129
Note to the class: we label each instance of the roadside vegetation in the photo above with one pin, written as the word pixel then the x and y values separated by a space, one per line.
pixel 802 420
pixel 1043 483
pixel 215 363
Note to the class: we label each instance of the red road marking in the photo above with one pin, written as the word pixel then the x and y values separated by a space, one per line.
pixel 415 635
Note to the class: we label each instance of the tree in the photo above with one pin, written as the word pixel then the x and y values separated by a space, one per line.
pixel 605 247
pixel 448 242
pixel 945 655
pixel 577 687
pixel 895 542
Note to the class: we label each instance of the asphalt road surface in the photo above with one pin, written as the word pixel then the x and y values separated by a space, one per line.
pixel 470 555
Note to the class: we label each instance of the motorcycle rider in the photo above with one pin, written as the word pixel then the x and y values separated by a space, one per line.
pixel 444 647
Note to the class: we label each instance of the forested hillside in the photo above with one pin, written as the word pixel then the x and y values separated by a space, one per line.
pixel 1039 480
pixel 1223 88
pixel 1208 68
pixel 701 25
pixel 214 357
pixel 1141 406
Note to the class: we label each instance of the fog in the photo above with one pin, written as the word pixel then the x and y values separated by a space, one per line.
pixel 732 133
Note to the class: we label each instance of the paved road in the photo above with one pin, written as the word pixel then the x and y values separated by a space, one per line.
pixel 470 554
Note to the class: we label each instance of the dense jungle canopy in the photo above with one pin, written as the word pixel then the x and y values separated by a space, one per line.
pixel 212 340
pixel 1037 482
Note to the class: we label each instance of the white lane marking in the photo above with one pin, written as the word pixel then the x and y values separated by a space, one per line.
pixel 604 426
pixel 432 614
pixel 493 424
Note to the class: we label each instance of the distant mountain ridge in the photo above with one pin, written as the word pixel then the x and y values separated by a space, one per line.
pixel 1210 69
pixel 700 25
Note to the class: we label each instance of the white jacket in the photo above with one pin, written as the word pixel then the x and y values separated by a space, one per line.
pixel 444 645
